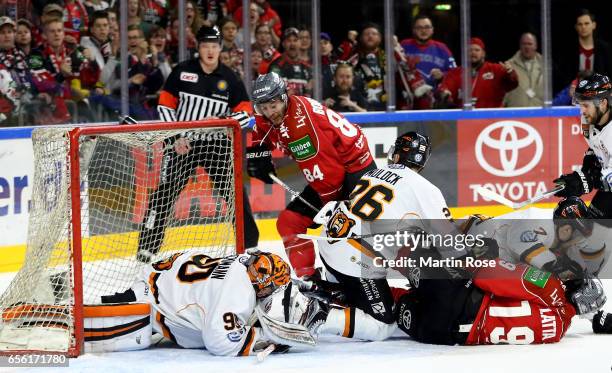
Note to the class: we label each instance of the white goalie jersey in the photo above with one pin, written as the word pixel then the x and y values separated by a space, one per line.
pixel 201 302
pixel 385 200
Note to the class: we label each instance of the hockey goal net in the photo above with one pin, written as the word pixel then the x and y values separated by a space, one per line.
pixel 106 201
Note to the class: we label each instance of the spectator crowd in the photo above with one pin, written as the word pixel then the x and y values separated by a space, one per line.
pixel 60 60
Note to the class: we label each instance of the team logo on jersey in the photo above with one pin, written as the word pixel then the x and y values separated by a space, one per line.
pixel 488 76
pixel 529 236
pixel 236 335
pixel 222 85
pixel 339 225
pixel 189 77
pixel 302 149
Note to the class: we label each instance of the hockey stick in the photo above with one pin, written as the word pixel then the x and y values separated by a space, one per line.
pixel 487 193
pixel 294 194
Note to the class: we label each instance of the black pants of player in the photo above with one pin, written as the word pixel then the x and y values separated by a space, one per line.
pixel 310 195
pixel 601 207
pixel 372 296
pixel 176 170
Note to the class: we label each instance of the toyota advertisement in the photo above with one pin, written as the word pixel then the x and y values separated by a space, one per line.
pixel 517 158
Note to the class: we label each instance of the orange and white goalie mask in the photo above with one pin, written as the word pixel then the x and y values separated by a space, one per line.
pixel 267 272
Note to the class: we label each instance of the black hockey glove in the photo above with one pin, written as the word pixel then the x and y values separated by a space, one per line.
pixel 259 163
pixel 602 323
pixel 576 184
pixel 565 268
pixel 592 169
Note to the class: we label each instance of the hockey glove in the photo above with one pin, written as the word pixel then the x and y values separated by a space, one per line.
pixel 576 184
pixel 592 169
pixel 259 163
pixel 590 297
pixel 241 116
pixel 602 323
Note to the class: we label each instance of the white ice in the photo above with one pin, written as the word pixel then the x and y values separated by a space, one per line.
pixel 580 351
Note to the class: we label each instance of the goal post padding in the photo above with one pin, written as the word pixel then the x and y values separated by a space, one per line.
pixel 91 191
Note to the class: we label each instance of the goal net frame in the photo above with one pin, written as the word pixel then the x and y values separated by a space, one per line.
pixel 75 234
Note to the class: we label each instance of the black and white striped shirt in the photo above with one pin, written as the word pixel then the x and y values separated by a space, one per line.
pixel 190 94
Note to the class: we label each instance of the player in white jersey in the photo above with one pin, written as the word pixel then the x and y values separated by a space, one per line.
pixel 565 241
pixel 389 199
pixel 593 97
pixel 203 302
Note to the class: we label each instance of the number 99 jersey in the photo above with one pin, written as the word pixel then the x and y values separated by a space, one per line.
pixel 201 302
pixel 386 200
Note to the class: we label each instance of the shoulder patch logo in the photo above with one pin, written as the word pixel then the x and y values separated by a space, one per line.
pixel 339 225
pixel 222 85
pixel 189 77
pixel 529 236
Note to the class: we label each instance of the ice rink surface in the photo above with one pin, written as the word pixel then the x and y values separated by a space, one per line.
pixel 580 351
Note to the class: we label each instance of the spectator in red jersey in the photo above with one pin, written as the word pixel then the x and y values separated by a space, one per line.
pixel 297 74
pixel 434 58
pixel 57 72
pixel 490 81
pixel 268 16
pixel 347 46
pixel 76 19
pixel 589 53
pixel 264 42
pixel 345 96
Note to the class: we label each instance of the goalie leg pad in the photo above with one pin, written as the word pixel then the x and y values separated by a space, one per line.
pixel 354 323
pixel 117 327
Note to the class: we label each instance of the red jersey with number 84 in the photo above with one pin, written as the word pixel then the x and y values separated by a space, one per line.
pixel 324 144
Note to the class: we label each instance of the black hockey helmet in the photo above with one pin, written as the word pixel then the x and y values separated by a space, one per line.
pixel 577 214
pixel 268 87
pixel 207 34
pixel 592 87
pixel 413 150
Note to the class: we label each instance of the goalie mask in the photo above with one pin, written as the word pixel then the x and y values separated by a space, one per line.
pixel 267 272
pixel 410 149
pixel 573 211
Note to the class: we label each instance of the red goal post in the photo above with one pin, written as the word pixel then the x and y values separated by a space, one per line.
pixel 90 190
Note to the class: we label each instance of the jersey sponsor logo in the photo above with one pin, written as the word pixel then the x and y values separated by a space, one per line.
pixel 303 148
pixel 406 318
pixel 339 225
pixel 537 277
pixel 222 85
pixel 189 77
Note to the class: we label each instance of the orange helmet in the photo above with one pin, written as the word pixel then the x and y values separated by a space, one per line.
pixel 267 272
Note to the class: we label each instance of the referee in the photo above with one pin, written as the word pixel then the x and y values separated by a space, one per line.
pixel 200 88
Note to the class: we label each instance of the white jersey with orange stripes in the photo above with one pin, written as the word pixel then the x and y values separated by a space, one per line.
pixel 392 197
pixel 201 302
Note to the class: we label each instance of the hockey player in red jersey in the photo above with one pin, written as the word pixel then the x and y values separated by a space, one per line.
pixel 331 152
pixel 508 303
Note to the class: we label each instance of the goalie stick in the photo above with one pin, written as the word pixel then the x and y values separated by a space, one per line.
pixel 294 194
pixel 487 193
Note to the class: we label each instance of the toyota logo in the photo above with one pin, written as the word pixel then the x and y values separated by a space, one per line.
pixel 509 145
